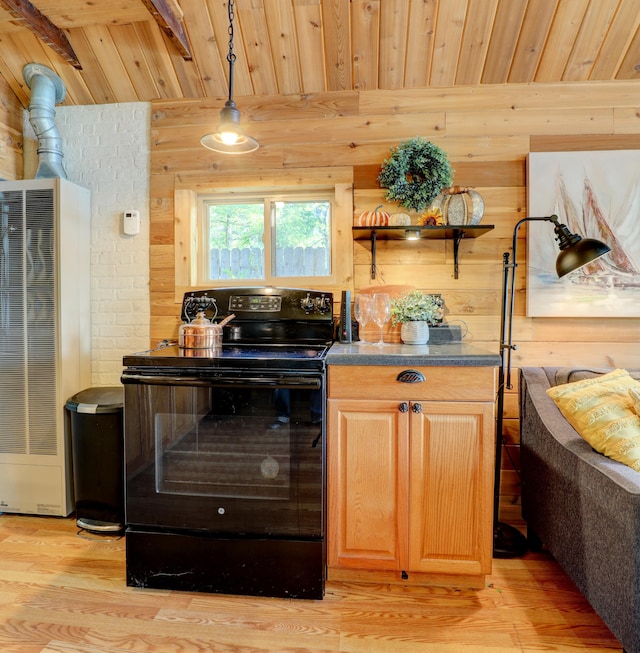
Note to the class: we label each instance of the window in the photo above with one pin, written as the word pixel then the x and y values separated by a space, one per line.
pixel 288 228
pixel 265 238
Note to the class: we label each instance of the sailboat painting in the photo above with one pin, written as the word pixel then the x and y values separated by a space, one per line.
pixel 597 195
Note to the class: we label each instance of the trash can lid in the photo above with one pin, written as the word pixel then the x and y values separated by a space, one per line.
pixel 97 400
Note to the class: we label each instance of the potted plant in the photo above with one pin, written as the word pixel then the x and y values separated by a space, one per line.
pixel 416 311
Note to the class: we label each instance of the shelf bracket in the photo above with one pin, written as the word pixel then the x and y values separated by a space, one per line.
pixel 458 235
pixel 373 253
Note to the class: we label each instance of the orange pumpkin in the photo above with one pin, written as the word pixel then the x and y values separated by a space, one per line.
pixel 375 218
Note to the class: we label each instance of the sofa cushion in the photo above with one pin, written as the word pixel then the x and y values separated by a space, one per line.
pixel 601 410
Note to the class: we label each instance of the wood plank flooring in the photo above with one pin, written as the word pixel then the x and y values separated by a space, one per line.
pixel 64 592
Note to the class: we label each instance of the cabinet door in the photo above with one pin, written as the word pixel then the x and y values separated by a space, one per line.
pixel 451 463
pixel 367 495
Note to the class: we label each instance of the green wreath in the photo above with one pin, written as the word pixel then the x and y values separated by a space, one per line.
pixel 415 173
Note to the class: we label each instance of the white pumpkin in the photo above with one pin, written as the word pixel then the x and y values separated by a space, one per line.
pixel 399 220
pixel 375 218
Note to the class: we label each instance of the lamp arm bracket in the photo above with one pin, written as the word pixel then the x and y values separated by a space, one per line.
pixel 548 218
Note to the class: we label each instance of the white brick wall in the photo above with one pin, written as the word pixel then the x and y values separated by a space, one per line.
pixel 106 149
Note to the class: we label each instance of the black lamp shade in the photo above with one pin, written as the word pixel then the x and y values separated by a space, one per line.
pixel 579 254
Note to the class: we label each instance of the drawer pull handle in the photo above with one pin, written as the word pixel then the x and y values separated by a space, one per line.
pixel 410 376
pixel 416 408
pixel 403 407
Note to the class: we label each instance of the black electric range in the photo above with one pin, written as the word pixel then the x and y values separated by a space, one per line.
pixel 225 449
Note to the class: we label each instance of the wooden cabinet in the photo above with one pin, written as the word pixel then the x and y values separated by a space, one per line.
pixel 410 475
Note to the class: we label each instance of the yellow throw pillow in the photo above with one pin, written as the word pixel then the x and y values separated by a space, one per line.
pixel 634 393
pixel 601 410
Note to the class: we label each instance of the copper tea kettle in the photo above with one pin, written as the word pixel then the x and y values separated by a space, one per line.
pixel 202 333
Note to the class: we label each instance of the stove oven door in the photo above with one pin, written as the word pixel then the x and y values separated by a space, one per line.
pixel 235 454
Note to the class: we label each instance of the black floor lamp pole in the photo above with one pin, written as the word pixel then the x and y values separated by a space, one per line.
pixel 508 541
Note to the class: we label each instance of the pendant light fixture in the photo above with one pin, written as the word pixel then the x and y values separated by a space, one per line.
pixel 230 137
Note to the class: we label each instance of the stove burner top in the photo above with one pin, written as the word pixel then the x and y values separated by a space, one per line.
pixel 232 356
pixel 272 351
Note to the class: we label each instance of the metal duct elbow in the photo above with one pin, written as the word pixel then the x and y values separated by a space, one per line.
pixel 47 89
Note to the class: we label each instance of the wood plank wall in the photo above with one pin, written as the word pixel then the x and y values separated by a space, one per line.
pixel 11 158
pixel 487 132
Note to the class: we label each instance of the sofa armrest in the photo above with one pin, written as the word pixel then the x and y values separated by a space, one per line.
pixel 542 418
pixel 583 506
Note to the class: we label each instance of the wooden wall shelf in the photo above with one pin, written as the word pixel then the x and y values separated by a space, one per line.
pixel 448 232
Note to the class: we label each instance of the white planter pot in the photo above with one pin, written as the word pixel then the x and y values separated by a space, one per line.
pixel 414 333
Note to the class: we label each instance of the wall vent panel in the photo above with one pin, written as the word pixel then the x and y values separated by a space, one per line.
pixel 44 352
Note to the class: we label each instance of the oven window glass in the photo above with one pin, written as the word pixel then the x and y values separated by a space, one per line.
pixel 236 456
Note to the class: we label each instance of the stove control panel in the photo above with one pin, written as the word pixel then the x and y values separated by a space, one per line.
pixel 255 303
pixel 321 304
pixel 259 304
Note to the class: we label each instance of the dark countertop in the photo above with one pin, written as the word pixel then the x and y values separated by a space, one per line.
pixel 450 354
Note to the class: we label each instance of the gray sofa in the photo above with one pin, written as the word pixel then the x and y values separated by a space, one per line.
pixel 582 506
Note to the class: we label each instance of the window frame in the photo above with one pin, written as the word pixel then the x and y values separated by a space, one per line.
pixel 187 189
pixel 268 200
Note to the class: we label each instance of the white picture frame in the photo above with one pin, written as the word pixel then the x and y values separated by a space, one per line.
pixel 597 195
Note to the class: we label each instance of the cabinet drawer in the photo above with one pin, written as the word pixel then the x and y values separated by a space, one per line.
pixel 441 383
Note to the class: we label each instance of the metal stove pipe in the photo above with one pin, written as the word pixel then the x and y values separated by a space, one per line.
pixel 47 89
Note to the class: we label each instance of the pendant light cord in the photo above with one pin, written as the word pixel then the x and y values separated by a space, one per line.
pixel 231 57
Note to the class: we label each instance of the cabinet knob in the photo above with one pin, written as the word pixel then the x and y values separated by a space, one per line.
pixel 403 407
pixel 416 408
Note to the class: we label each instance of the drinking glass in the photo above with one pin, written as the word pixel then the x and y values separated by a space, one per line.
pixel 362 312
pixel 380 311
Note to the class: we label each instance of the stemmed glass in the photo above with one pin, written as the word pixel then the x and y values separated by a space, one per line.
pixel 362 312
pixel 380 311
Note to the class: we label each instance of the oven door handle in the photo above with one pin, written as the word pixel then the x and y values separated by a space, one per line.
pixel 293 382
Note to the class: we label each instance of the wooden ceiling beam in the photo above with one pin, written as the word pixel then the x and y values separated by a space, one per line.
pixel 34 20
pixel 170 21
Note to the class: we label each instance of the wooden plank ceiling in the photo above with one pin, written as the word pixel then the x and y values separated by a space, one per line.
pixel 140 50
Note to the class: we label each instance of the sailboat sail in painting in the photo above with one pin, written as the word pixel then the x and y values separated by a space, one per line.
pixel 597 195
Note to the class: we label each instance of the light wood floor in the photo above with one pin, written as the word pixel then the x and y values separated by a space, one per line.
pixel 62 593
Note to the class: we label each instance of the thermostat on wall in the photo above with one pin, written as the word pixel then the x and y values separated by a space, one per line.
pixel 131 223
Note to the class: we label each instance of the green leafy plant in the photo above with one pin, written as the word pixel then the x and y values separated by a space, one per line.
pixel 417 306
pixel 415 173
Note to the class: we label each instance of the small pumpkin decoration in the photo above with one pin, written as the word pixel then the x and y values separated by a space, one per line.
pixel 399 220
pixel 375 218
